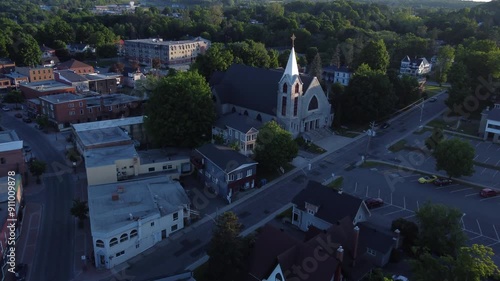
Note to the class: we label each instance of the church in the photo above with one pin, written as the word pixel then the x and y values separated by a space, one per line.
pixel 294 100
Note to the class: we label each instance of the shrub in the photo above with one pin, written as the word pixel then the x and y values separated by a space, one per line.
pixel 408 230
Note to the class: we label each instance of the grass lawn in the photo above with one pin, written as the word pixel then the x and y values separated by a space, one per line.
pixel 422 131
pixel 311 147
pixel 285 214
pixel 468 128
pixel 432 90
pixel 337 183
pixel 200 272
pixel 272 175
pixel 368 164
pixel 400 145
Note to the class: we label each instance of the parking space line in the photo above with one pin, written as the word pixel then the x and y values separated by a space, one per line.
pixel 478 225
pixel 486 161
pixel 478 144
pixel 477 155
pixel 483 171
pixel 418 206
pixel 495 229
pixel 475 237
pixel 495 174
pixel 460 189
pixel 446 186
pixel 407 217
pixel 355 187
pixel 379 193
pixel 490 145
pixel 489 198
pixel 404 202
pixel 492 244
pixel 497 162
pixel 400 210
pixel 366 191
pixel 472 194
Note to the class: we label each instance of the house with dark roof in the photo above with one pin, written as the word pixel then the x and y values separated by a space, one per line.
pixel 415 66
pixel 224 170
pixel 76 48
pixel 131 75
pixel 239 129
pixel 77 66
pixel 337 74
pixel 489 126
pixel 321 207
pixel 295 100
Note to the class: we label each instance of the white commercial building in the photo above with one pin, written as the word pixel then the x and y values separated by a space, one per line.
pixel 130 217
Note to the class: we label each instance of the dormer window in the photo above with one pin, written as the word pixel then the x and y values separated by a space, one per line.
pixel 311 208
pixel 285 88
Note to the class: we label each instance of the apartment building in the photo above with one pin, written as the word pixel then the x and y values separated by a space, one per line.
pixel 44 88
pixel 36 74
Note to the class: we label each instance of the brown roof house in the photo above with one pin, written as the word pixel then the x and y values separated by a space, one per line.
pixel 77 66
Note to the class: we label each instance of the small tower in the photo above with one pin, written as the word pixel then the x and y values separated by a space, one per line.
pixel 289 93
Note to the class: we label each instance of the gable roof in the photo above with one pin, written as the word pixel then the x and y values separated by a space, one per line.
pixel 332 206
pixel 252 88
pixel 226 158
pixel 72 63
pixel 373 238
pixel 239 122
pixel 333 68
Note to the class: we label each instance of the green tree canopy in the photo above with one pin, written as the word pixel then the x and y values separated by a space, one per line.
pixel 434 139
pixel 217 58
pixel 79 209
pixel 26 50
pixel 180 111
pixel 445 58
pixel 226 249
pixel 455 157
pixel 440 229
pixel 275 147
pixel 315 68
pixel 375 55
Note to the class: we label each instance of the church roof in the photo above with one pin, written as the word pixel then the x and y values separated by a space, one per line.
pixel 239 122
pixel 291 67
pixel 252 88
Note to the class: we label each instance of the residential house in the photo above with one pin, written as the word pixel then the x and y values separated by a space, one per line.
pixel 131 75
pixel 238 129
pixel 129 217
pixel 77 66
pixel 14 183
pixel 415 66
pixel 334 74
pixel 4 83
pixel 7 66
pixel 102 84
pixel 168 52
pixel 47 52
pixel 224 170
pixel 76 48
pixel 36 74
pixel 321 207
pixel 65 109
pixel 296 101
pixel 44 88
pixel 133 126
pixel 489 126
pixel 50 62
pixel 69 77
pixel 11 153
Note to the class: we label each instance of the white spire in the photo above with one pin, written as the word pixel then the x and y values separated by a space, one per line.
pixel 291 67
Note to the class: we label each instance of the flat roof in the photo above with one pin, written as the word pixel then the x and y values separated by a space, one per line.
pixel 15 75
pixel 156 41
pixel 97 77
pixel 102 136
pixel 111 99
pixel 45 86
pixel 159 155
pixel 137 199
pixel 108 123
pixel 10 141
pixel 35 101
pixel 60 98
pixel 104 156
pixel 70 76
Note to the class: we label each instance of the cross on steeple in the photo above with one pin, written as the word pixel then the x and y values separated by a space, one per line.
pixel 293 40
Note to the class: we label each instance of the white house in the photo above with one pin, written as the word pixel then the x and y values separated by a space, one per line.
pixel 130 217
pixel 490 123
pixel 321 207
pixel 235 128
pixel 334 74
pixel 415 66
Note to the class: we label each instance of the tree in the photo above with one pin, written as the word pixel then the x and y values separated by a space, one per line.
pixel 156 63
pixel 275 147
pixel 406 88
pixel 226 249
pixel 445 59
pixel 315 68
pixel 37 168
pixel 283 58
pixel 180 111
pixel 455 157
pixel 375 55
pixel 217 58
pixel 408 230
pixel 434 139
pixel 475 263
pixel 117 67
pixel 440 229
pixel 14 97
pixel 26 51
pixel 80 210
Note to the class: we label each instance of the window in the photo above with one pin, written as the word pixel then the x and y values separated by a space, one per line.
pixel 239 176
pixel 152 169
pixel 72 113
pixel 310 212
pixel 173 228
pixel 71 105
pixel 295 105
pixel 124 237
pixel 167 167
pixel 152 224
pixel 131 167
pixel 231 177
pixel 283 106
pixel 245 113
pixel 297 88
pixel 2 160
pixel 176 216
pixel 99 244
pixel 249 137
pixel 249 173
pixel 81 111
pixel 259 118
pixel 51 107
pixel 120 253
pixel 110 108
pixel 133 233
pixel 90 110
pixel 254 136
pixel 113 242
pixel 285 88
pixel 313 104
pixel 371 252
pixel 230 132
pixel 278 277
pixel 80 104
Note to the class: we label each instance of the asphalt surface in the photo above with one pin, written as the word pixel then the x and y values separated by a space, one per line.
pixel 54 246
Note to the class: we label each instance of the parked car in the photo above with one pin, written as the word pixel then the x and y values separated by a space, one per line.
pixel 20 271
pixel 385 126
pixel 399 278
pixel 27 120
pixel 433 99
pixel 488 192
pixel 427 179
pixel 6 108
pixel 372 203
pixel 442 182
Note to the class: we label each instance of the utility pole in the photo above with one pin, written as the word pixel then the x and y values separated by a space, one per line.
pixel 421 112
pixel 371 132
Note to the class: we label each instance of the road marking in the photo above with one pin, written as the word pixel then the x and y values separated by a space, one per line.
pixel 393 212
pixel 486 161
pixel 355 187
pixel 494 175
pixel 483 171
pixel 492 244
pixel 391 198
pixel 498 237
pixel 379 193
pixel 477 155
pixel 446 186
pixel 418 206
pixel 366 191
pixel 472 194
pixel 404 202
pixel 461 190
pixel 497 162
pixel 478 225
pixel 489 198
pixel 475 237
pixel 478 144
pixel 409 217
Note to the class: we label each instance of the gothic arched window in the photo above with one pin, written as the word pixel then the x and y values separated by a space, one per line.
pixel 297 88
pixel 313 104
pixel 259 118
pixel 285 88
pixel 245 113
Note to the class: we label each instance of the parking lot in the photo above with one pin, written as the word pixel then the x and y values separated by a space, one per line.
pixel 486 152
pixel 403 196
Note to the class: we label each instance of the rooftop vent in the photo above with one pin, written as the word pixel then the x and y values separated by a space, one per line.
pixel 120 189
pixel 115 197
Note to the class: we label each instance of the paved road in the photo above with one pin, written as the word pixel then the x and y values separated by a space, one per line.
pixel 189 245
pixel 53 257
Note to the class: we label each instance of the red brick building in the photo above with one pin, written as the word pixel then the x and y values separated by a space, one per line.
pixel 36 74
pixel 65 109
pixel 77 66
pixel 45 88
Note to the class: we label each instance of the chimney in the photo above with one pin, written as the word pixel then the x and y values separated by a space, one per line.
pixel 130 216
pixel 340 191
pixel 340 254
pixel 115 197
pixel 396 237
pixel 340 258
pixel 355 249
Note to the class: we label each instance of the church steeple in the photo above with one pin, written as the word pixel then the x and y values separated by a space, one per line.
pixel 291 67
